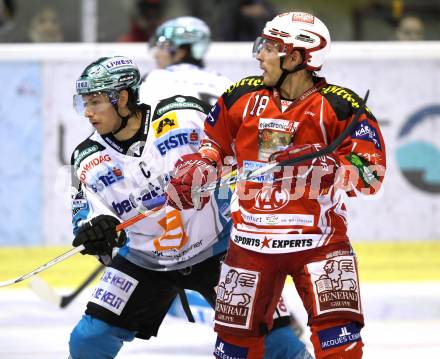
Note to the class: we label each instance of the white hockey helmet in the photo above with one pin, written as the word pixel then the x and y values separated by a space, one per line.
pixel 185 30
pixel 298 31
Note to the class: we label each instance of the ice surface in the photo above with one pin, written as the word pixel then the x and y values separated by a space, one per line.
pixel 402 321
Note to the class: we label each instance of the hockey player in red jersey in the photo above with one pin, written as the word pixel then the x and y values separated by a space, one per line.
pixel 293 221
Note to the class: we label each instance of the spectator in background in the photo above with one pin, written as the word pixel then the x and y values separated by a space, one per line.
pixel 7 12
pixel 145 18
pixel 232 20
pixel 247 19
pixel 410 28
pixel 45 26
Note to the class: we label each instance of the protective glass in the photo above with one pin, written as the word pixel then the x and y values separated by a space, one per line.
pixel 266 47
pixel 161 42
pixel 94 103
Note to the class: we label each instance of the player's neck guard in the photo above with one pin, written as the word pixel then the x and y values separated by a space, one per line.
pixel 124 121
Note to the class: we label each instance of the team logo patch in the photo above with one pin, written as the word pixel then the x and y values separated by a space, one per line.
pixel 114 290
pixel 278 219
pixel 271 198
pixel 250 166
pixel 79 156
pixel 303 17
pixel 180 99
pixel 365 132
pixel 224 350
pixel 106 178
pixel 335 285
pixel 235 297
pixel 281 310
pixel 274 135
pixel 79 203
pixel 82 84
pixel 212 117
pixel 136 149
pixel 93 163
pixel 337 336
pixel 178 138
pixel 115 63
pixel 278 125
pixel 164 124
pixel 248 82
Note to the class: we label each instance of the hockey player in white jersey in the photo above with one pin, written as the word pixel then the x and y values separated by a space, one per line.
pixel 179 46
pixel 120 168
pixel 124 166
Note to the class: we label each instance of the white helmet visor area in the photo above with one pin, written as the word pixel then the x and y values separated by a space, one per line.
pixel 161 42
pixel 266 46
pixel 94 103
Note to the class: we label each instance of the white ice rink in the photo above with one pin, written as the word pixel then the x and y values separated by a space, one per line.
pixel 402 321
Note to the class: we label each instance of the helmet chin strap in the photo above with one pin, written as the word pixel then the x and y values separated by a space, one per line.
pixel 285 72
pixel 124 121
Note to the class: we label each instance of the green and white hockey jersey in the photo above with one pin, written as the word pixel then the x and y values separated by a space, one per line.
pixel 120 177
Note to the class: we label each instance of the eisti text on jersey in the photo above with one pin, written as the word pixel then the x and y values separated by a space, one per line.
pixel 249 123
pixel 116 178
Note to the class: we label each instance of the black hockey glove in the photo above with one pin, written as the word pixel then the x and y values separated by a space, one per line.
pixel 99 236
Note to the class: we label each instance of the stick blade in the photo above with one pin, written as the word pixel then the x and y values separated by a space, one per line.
pixel 9 282
pixel 44 291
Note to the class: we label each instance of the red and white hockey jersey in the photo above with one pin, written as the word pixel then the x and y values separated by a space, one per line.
pixel 248 123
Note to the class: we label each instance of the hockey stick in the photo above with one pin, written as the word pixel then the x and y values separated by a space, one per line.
pixel 222 182
pixel 42 289
pixel 185 305
pixel 78 249
pixel 215 185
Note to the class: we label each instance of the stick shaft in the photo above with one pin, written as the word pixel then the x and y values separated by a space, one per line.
pixel 67 299
pixel 129 222
pixel 45 266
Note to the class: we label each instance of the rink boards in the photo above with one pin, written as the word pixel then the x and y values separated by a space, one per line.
pixel 397 261
pixel 39 84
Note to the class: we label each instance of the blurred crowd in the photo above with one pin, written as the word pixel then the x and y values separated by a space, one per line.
pixel 46 21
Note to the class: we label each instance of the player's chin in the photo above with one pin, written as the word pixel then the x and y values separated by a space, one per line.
pixel 268 80
pixel 101 130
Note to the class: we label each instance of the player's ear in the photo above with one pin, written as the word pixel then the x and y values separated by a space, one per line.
pixel 180 54
pixel 123 99
pixel 293 59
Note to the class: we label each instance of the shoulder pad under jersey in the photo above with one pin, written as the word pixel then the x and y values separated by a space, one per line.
pixel 344 102
pixel 246 85
pixel 180 102
pixel 84 150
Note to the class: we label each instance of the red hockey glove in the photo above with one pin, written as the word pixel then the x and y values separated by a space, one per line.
pixel 190 172
pixel 322 168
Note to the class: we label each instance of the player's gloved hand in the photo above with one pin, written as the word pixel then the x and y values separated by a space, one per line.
pixel 323 168
pixel 190 171
pixel 99 236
